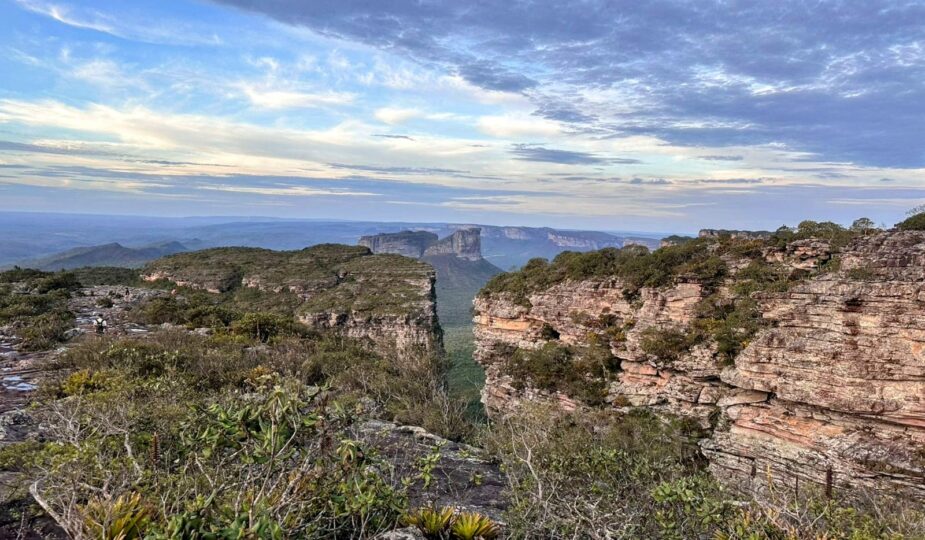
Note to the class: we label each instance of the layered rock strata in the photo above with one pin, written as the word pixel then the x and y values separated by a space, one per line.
pixel 387 299
pixel 831 393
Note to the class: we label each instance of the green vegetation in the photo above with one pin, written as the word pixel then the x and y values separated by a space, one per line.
pixel 91 276
pixel 915 222
pixel 332 277
pixel 833 233
pixel 635 265
pixel 35 303
pixel 581 373
pixel 446 524
pixel 177 435
pixel 610 475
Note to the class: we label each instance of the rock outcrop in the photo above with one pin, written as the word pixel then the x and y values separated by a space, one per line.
pixel 408 243
pixel 464 243
pixel 388 299
pixel 830 391
pixel 573 310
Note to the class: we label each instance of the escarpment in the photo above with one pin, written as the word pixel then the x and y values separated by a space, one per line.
pixel 463 243
pixel 802 355
pixel 408 243
pixel 388 299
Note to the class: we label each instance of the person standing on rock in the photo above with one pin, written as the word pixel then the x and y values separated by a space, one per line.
pixel 100 325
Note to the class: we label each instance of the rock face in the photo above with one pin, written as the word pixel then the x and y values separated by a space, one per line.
pixel 830 393
pixel 408 243
pixel 463 476
pixel 573 310
pixel 388 299
pixel 843 372
pixel 464 243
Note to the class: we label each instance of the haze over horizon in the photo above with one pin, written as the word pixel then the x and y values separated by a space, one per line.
pixel 598 115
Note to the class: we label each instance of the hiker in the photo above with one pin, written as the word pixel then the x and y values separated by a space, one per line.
pixel 100 325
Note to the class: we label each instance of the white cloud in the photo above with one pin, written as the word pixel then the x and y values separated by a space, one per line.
pixel 288 99
pixel 394 115
pixel 297 191
pixel 122 26
pixel 514 126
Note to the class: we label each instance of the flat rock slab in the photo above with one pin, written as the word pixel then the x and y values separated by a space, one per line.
pixel 462 478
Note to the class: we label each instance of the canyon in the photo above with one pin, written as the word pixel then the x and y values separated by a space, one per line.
pixel 828 389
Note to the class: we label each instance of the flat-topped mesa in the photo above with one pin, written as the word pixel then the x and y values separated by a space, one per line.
pixel 464 243
pixel 804 358
pixel 407 243
pixel 388 299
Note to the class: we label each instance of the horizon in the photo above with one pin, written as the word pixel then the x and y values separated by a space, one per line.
pixel 670 116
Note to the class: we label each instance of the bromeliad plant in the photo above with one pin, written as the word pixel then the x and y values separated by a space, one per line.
pixel 446 524
pixel 273 461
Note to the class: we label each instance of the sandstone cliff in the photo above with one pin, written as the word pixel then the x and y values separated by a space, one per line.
pixel 804 359
pixel 464 243
pixel 408 243
pixel 388 299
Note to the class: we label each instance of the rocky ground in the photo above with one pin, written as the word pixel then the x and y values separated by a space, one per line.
pixel 461 475
pixel 20 374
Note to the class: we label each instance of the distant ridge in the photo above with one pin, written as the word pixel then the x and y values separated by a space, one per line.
pixel 112 254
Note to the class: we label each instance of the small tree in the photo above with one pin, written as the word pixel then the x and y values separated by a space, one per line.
pixel 863 225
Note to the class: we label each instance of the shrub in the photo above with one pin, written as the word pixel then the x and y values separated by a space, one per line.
pixel 262 465
pixel 913 223
pixel 266 326
pixel 578 373
pixel 861 273
pixel 667 345
pixel 46 330
pixel 634 264
pixel 587 474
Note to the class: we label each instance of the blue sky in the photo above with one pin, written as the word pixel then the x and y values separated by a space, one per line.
pixel 587 114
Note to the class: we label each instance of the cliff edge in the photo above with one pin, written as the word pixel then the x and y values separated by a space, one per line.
pixel 802 356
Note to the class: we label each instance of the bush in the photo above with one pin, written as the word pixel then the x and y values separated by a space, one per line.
pixel 913 223
pixel 579 373
pixel 667 345
pixel 634 264
pixel 587 474
pixel 274 463
pixel 46 330
pixel 266 326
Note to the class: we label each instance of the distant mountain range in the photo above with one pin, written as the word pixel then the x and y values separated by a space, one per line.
pixel 43 238
pixel 113 254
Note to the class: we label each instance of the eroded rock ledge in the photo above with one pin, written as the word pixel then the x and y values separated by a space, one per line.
pixel 830 392
pixel 387 299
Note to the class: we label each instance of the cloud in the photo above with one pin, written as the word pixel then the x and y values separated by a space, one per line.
pixel 395 170
pixel 514 126
pixel 286 99
pixel 123 25
pixel 392 115
pixel 388 136
pixel 720 158
pixel 845 80
pixel 526 152
pixel 287 191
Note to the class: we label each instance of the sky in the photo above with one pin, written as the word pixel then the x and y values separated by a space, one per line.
pixel 614 115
